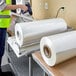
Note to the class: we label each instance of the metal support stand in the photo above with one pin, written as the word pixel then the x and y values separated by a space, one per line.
pixel 45 74
pixel 30 66
pixel 30 60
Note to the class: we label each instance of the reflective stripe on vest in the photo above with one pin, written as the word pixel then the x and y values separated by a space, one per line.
pixel 5 17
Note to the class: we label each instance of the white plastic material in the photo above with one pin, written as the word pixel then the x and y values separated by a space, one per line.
pixel 31 32
pixel 58 48
pixel 20 2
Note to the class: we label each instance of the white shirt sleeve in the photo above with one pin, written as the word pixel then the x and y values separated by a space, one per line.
pixel 2 5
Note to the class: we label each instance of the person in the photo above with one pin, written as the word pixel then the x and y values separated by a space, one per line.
pixel 13 2
pixel 5 7
pixel 11 29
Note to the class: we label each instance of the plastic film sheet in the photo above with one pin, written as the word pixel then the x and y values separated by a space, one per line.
pixel 20 51
pixel 20 2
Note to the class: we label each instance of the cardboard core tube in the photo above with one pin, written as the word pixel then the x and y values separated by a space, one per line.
pixel 47 51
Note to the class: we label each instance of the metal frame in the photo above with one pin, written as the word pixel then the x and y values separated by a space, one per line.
pixel 46 72
pixel 30 65
pixel 29 56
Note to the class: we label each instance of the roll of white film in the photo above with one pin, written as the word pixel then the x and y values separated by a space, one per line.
pixel 58 48
pixel 31 32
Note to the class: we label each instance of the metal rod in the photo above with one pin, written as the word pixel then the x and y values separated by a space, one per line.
pixel 45 74
pixel 30 66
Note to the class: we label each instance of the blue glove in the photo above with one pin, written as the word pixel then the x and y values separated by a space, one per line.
pixel 29 9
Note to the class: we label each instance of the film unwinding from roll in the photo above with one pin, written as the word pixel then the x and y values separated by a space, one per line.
pixel 23 50
pixel 20 2
pixel 31 32
pixel 58 48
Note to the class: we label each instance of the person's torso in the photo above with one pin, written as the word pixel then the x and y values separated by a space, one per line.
pixel 5 16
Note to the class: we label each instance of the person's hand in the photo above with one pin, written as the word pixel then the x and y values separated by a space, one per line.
pixel 29 9
pixel 24 8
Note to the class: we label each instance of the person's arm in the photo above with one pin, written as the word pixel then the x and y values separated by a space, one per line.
pixel 4 6
pixel 13 7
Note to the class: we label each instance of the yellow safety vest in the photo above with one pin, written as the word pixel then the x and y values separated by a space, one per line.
pixel 5 17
